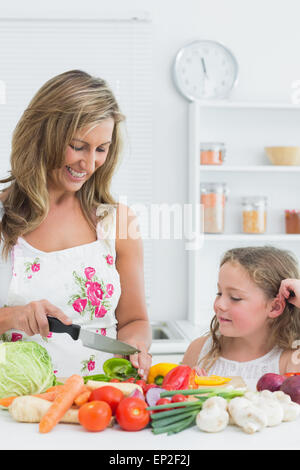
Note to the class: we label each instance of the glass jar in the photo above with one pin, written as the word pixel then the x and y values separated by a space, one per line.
pixel 212 153
pixel 254 214
pixel 213 196
pixel 292 221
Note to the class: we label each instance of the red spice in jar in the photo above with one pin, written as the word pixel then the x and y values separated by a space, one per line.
pixel 292 221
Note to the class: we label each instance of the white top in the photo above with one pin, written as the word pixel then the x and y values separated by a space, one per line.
pixel 82 281
pixel 250 371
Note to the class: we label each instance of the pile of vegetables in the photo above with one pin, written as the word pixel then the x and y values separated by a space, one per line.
pixel 169 402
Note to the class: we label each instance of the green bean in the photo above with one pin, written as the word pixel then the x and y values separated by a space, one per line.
pixel 172 419
pixel 173 405
pixel 174 412
pixel 192 391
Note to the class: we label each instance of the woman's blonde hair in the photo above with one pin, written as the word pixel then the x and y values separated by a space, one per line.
pixel 266 266
pixel 66 103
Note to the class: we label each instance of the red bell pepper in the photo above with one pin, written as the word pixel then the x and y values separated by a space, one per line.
pixel 180 378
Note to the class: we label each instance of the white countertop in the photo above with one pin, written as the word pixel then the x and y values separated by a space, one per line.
pixel 20 436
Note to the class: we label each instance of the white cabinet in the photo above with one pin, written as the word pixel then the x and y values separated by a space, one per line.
pixel 172 358
pixel 245 128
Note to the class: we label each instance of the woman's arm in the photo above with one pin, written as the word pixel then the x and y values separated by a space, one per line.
pixel 131 312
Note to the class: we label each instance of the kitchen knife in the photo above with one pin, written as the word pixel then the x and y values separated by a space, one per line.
pixel 90 339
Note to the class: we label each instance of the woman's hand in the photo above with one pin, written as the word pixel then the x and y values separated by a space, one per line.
pixel 289 290
pixel 141 361
pixel 32 318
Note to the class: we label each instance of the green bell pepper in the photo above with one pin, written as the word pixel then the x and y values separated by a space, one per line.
pixel 118 368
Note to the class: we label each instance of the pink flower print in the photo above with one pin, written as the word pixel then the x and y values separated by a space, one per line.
pixel 91 365
pixel 100 311
pixel 94 293
pixel 109 259
pixel 35 267
pixel 103 331
pixel 109 290
pixel 55 371
pixel 79 305
pixel 16 337
pixel 49 335
pixel 89 272
pixel 31 268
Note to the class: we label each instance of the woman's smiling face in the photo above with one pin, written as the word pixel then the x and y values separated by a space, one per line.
pixel 84 155
pixel 240 306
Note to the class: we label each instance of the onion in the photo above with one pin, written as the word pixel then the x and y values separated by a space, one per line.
pixel 153 395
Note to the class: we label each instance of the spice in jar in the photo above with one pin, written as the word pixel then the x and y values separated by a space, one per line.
pixel 212 153
pixel 292 221
pixel 213 197
pixel 254 214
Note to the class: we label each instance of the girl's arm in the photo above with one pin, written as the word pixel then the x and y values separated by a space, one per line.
pixel 191 355
pixel 131 312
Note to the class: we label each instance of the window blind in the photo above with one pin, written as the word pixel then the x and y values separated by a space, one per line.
pixel 117 50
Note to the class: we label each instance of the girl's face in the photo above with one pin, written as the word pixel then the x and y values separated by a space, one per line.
pixel 240 306
pixel 84 155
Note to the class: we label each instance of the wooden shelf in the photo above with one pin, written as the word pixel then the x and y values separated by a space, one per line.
pixel 251 237
pixel 249 105
pixel 250 168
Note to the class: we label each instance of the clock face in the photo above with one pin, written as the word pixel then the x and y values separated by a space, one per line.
pixel 205 70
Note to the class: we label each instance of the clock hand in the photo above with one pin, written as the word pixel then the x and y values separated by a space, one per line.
pixel 204 67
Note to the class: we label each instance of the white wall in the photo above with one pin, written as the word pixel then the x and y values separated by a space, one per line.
pixel 264 35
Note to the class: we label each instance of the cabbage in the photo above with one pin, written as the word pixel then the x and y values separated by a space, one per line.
pixel 25 369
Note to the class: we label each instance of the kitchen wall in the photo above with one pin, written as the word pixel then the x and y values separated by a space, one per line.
pixel 264 35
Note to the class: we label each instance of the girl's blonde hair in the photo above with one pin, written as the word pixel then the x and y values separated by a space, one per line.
pixel 66 103
pixel 266 266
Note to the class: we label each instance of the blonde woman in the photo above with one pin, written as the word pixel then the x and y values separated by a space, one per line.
pixel 67 248
pixel 255 329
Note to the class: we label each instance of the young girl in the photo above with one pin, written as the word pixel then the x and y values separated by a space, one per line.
pixel 256 326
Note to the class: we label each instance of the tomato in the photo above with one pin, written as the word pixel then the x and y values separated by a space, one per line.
pixel 115 380
pixel 142 384
pixel 130 380
pixel 131 414
pixel 178 398
pixel 111 395
pixel 94 415
pixel 162 401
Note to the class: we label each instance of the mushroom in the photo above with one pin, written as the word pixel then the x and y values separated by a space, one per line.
pixel 213 417
pixel 268 404
pixel 247 415
pixel 291 410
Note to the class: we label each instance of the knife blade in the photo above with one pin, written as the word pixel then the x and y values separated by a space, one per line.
pixel 90 339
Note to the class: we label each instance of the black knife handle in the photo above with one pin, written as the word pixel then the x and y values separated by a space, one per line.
pixel 56 326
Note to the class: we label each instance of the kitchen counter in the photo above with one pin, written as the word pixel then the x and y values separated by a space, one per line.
pixel 20 436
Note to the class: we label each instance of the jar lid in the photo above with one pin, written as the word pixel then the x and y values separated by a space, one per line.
pixel 292 211
pixel 220 188
pixel 212 145
pixel 255 200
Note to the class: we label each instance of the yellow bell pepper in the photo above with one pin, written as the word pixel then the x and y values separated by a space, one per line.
pixel 211 380
pixel 158 371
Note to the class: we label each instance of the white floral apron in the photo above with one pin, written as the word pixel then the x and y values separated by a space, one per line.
pixel 83 282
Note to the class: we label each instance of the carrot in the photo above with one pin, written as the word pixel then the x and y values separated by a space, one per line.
pixel 49 396
pixel 5 402
pixel 73 387
pixel 82 398
pixel 55 388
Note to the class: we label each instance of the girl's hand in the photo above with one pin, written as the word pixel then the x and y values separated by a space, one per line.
pixel 32 318
pixel 290 291
pixel 200 371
